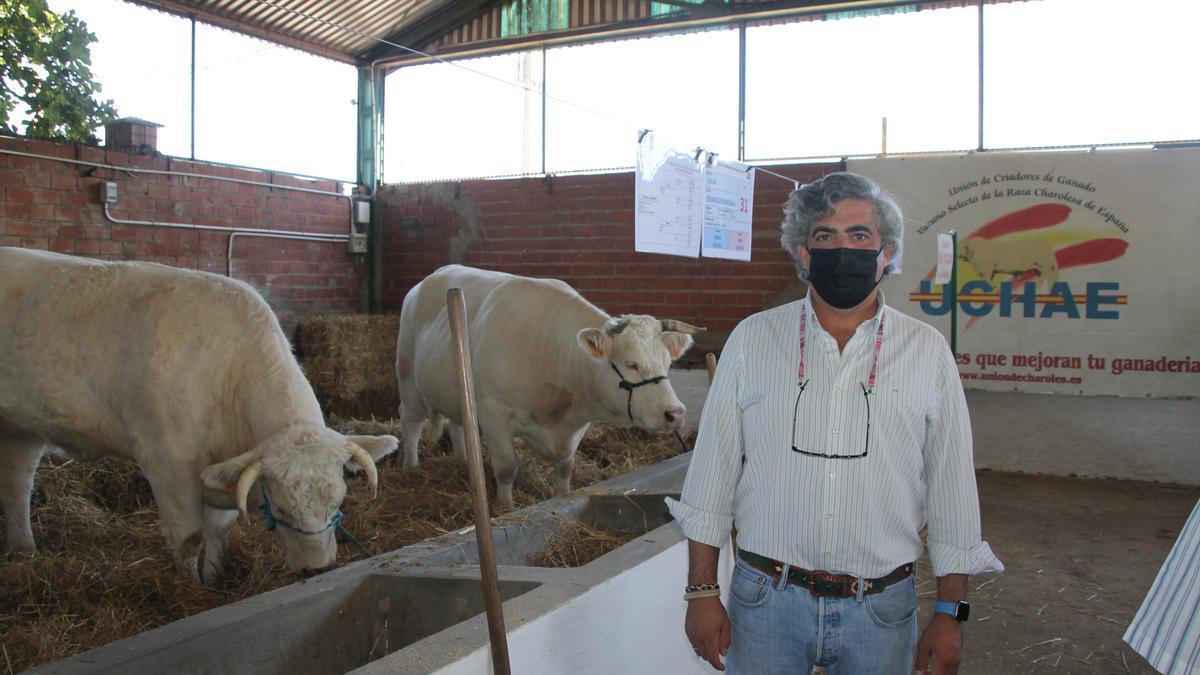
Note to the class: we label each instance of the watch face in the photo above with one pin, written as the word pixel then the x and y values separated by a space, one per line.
pixel 963 612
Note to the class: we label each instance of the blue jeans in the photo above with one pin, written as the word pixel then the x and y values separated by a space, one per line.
pixel 782 628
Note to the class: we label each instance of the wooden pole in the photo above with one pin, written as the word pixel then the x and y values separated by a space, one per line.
pixel 457 307
pixel 710 361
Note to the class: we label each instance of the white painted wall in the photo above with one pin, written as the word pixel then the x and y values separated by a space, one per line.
pixel 632 623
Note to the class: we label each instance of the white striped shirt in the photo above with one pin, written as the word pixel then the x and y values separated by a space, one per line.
pixel 1166 629
pixel 849 516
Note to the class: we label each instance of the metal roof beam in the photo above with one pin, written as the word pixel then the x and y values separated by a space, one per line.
pixel 437 18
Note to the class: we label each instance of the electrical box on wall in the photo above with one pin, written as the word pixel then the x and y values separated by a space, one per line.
pixel 362 212
pixel 359 225
pixel 108 192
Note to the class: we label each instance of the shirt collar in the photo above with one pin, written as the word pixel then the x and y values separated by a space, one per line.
pixel 869 323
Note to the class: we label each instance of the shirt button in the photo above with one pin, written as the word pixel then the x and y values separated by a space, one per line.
pixel 833 474
pixel 828 516
pixel 839 390
pixel 835 432
pixel 827 554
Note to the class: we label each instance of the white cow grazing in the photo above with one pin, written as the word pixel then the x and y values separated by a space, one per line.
pixel 186 373
pixel 990 258
pixel 546 362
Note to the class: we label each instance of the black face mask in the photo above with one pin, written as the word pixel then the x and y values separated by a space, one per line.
pixel 843 277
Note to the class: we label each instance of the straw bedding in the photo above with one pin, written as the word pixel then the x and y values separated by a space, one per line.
pixel 103 572
pixel 580 544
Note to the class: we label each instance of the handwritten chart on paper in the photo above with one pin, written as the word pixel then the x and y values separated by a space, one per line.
pixel 728 205
pixel 669 194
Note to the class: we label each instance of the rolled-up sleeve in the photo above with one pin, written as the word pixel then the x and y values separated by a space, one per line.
pixel 705 509
pixel 956 543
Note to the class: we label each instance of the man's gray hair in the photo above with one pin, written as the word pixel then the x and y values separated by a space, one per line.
pixel 814 201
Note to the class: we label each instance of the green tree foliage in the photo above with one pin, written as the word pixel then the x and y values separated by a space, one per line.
pixel 45 61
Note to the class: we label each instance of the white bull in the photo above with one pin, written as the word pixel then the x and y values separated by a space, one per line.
pixel 990 258
pixel 186 373
pixel 546 362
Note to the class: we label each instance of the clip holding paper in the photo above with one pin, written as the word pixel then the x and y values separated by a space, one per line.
pixel 642 134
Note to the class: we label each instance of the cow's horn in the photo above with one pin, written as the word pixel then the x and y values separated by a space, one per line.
pixel 363 458
pixel 680 327
pixel 616 326
pixel 249 475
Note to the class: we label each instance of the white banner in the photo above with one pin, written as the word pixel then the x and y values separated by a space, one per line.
pixel 1077 272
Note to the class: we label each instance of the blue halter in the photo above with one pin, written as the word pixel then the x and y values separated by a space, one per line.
pixel 272 521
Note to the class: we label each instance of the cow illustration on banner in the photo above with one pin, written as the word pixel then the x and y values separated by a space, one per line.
pixel 1012 264
pixel 1074 271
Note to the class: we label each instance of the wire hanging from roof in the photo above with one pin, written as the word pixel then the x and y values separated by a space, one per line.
pixel 338 26
pixel 354 31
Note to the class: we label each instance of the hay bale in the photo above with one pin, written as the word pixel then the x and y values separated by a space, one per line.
pixel 351 362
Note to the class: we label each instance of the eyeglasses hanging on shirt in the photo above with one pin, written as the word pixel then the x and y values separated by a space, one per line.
pixel 868 389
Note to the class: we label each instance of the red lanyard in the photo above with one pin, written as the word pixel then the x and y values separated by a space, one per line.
pixel 874 357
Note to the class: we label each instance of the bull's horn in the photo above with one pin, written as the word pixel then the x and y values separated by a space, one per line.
pixel 363 458
pixel 249 475
pixel 616 326
pixel 680 327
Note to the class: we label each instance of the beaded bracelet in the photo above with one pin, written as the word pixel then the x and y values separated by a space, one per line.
pixel 701 591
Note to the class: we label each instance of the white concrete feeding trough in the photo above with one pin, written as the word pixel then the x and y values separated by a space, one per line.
pixel 419 609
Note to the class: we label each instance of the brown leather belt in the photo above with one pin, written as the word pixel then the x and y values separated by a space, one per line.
pixel 825 584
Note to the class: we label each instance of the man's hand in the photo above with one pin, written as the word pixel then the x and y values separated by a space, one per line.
pixel 707 628
pixel 940 648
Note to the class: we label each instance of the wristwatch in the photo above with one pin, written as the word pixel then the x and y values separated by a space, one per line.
pixel 959 609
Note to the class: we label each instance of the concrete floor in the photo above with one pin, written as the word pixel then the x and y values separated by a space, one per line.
pixel 1080 552
pixel 1080 555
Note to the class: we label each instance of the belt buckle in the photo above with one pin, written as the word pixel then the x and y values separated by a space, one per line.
pixel 822 580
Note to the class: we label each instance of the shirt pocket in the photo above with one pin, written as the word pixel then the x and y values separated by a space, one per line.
pixel 759 420
pixel 898 414
pixel 766 428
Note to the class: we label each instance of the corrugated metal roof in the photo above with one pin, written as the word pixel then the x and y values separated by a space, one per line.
pixel 359 31
pixel 345 30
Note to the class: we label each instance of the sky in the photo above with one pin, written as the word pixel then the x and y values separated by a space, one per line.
pixel 1057 72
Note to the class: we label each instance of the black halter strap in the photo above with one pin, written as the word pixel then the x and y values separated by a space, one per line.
pixel 630 386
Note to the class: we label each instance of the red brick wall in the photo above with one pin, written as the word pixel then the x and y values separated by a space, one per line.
pixel 580 229
pixel 54 205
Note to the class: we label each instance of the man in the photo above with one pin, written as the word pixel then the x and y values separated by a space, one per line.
pixel 834 430
pixel 1166 631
